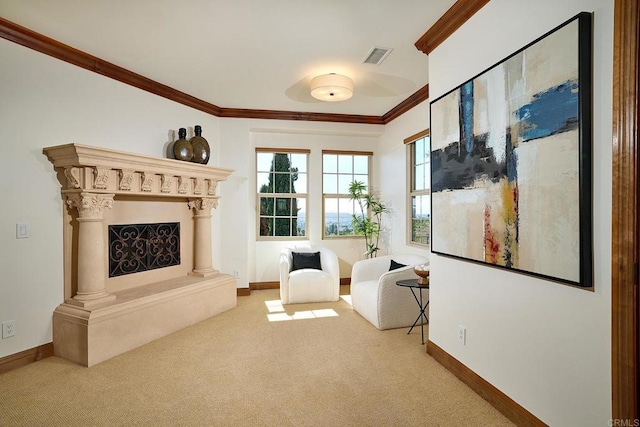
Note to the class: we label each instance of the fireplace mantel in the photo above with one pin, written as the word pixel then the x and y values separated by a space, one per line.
pixel 103 316
pixel 101 170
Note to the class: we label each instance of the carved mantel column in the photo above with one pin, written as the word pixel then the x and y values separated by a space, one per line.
pixel 91 247
pixel 202 236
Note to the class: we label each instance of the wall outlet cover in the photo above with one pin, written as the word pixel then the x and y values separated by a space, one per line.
pixel 8 328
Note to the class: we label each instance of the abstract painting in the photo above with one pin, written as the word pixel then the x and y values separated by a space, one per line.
pixel 511 161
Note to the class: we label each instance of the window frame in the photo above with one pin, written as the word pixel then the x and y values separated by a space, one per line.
pixel 297 195
pixel 325 196
pixel 411 192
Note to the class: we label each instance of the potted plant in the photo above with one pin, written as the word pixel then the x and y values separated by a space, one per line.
pixel 368 221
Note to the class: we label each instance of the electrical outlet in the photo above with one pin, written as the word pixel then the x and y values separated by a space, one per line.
pixel 8 328
pixel 236 274
pixel 462 334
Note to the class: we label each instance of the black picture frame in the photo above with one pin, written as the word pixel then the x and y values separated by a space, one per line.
pixel 511 161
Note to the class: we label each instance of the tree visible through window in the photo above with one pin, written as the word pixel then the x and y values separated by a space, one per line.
pixel 282 192
pixel 419 149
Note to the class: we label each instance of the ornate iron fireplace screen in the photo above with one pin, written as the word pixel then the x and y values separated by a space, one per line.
pixel 134 248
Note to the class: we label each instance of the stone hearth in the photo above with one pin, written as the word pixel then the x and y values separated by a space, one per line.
pixel 102 317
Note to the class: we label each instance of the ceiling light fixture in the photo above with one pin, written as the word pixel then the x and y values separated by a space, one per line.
pixel 332 87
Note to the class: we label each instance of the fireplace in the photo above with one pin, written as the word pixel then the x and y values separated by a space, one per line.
pixel 137 250
pixel 134 248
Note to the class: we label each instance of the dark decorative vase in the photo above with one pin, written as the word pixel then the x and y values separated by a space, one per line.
pixel 182 148
pixel 201 150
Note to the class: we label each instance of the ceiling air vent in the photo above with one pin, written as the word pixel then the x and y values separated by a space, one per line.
pixel 376 55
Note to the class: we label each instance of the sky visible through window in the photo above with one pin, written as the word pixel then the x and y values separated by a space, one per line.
pixel 338 172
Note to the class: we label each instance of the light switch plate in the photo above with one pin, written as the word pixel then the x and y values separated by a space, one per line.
pixel 22 230
pixel 462 335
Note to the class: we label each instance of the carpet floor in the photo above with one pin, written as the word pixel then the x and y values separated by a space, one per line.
pixel 259 364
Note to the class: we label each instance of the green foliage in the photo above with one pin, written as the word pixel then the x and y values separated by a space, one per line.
pixel 420 229
pixel 368 221
pixel 281 180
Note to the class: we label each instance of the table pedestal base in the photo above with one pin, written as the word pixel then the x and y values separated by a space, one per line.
pixel 422 317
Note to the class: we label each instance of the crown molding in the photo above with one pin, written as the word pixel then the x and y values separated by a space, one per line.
pixel 418 97
pixel 448 23
pixel 48 46
pixel 242 113
pixel 43 44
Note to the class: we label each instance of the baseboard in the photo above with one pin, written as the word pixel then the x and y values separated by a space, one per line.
pixel 23 358
pixel 254 286
pixel 243 292
pixel 503 403
pixel 257 286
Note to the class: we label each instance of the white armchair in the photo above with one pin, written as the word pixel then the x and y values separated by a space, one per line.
pixel 309 284
pixel 375 295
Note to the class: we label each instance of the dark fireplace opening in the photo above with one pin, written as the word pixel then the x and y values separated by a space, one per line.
pixel 134 248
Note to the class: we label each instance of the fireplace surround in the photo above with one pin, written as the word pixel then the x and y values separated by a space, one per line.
pixel 104 316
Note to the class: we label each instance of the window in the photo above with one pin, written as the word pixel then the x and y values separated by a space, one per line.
pixel 419 153
pixel 282 193
pixel 339 170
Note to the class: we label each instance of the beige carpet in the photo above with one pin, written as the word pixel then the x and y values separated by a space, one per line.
pixel 324 366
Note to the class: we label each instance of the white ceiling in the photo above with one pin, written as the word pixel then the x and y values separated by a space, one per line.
pixel 255 54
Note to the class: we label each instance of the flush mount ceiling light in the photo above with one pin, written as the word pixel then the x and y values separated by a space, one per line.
pixel 332 87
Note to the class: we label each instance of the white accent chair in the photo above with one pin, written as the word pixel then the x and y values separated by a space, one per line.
pixel 375 295
pixel 308 284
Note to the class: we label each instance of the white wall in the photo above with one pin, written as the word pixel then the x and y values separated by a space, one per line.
pixel 257 261
pixel 46 102
pixel 545 345
pixel 391 177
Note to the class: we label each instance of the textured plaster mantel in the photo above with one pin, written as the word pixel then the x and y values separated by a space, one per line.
pixel 101 318
pixel 102 170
